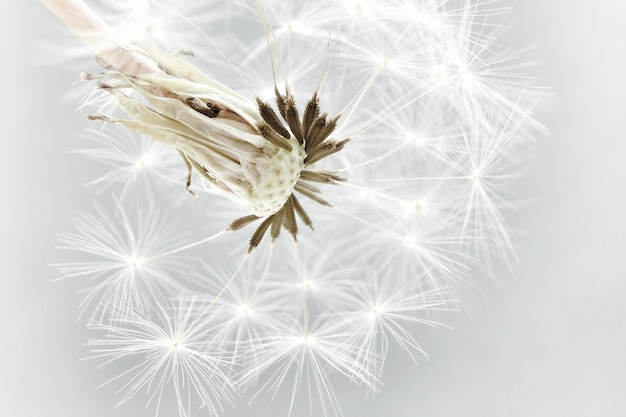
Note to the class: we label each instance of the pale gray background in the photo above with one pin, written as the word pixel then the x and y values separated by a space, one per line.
pixel 549 341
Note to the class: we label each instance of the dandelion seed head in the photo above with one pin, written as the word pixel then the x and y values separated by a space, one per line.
pixel 245 310
pixel 307 339
pixel 135 263
pixel 169 357
pixel 367 149
pixel 377 311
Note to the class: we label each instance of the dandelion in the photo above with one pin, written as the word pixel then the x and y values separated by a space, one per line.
pixel 170 357
pixel 352 162
pixel 307 357
pixel 116 255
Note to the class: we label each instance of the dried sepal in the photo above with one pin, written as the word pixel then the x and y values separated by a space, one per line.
pixel 271 118
pixel 311 112
pixel 293 120
pixel 242 222
pixel 301 213
pixel 306 191
pixel 258 234
pixel 323 177
pixel 289 218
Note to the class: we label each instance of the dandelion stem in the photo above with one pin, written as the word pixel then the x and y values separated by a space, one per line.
pixel 460 177
pixel 98 35
pixel 184 248
pixel 271 41
pixel 328 60
pixel 383 115
pixel 265 270
pixel 354 102
pixel 367 223
pixel 305 312
pixel 378 158
pixel 377 193
pixel 77 16
pixel 341 267
pixel 217 297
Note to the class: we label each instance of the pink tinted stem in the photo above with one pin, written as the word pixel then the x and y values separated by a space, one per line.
pixel 98 35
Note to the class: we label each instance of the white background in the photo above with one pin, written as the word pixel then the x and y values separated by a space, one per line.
pixel 548 341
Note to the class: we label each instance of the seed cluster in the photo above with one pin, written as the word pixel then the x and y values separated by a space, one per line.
pixel 312 133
